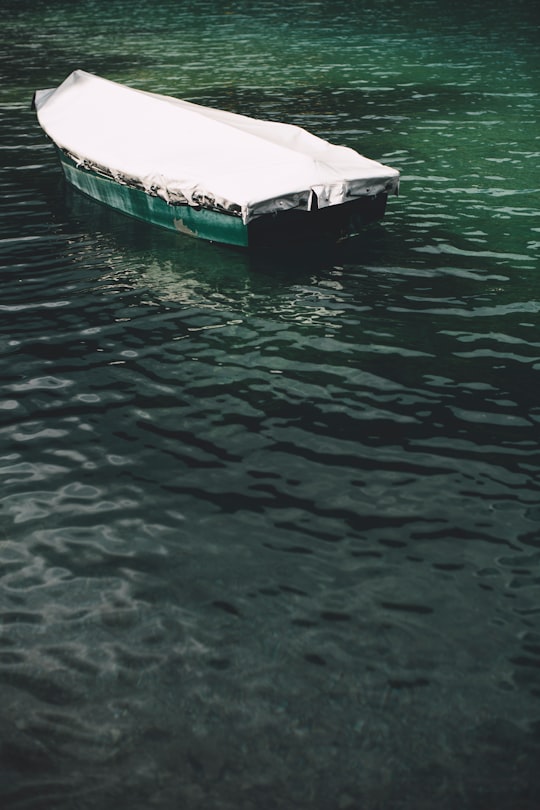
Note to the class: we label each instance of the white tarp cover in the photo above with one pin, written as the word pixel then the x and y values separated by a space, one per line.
pixel 190 154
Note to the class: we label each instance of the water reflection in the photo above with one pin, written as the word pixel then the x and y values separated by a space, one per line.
pixel 190 271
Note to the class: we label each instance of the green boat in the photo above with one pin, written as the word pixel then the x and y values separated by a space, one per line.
pixel 208 173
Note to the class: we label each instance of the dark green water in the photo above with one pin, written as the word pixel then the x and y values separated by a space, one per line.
pixel 270 524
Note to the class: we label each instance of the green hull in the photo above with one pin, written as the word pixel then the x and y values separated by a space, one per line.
pixel 211 225
pixel 336 222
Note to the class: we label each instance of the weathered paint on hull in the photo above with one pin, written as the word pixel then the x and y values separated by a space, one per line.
pixel 339 221
pixel 210 225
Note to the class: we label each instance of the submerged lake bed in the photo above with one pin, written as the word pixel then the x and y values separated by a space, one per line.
pixel 271 520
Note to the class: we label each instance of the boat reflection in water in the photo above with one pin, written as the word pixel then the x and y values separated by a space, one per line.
pixel 194 278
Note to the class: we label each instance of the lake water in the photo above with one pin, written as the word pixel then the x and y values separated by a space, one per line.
pixel 270 523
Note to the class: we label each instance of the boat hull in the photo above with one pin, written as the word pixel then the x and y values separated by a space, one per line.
pixel 211 225
pixel 335 222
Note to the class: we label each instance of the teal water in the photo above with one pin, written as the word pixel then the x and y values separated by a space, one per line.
pixel 270 524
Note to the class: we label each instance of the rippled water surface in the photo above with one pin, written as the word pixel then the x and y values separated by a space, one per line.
pixel 270 523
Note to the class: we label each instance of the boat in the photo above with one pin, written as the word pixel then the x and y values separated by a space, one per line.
pixel 207 172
